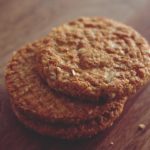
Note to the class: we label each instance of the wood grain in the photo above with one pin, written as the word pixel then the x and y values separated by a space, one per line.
pixel 25 21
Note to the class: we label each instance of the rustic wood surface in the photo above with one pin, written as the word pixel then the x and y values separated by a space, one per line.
pixel 24 21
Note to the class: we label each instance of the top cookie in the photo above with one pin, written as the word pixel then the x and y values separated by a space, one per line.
pixel 94 58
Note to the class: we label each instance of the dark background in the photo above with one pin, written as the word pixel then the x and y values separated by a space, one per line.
pixel 22 21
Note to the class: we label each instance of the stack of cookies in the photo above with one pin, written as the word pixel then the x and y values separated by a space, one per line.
pixel 75 81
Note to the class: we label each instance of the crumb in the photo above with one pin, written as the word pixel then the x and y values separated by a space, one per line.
pixel 141 126
pixel 111 143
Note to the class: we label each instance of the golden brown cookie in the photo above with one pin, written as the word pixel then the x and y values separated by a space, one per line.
pixel 70 132
pixel 94 58
pixel 32 96
pixel 50 113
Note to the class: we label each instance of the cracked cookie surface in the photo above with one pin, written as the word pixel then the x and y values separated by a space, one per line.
pixel 33 97
pixel 94 58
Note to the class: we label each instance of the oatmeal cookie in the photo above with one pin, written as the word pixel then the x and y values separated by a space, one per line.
pixel 71 132
pixel 94 59
pixel 33 97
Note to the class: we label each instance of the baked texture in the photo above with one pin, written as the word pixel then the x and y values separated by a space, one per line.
pixel 32 96
pixel 71 132
pixel 94 59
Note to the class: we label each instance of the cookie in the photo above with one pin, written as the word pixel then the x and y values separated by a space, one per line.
pixel 82 130
pixel 94 59
pixel 33 97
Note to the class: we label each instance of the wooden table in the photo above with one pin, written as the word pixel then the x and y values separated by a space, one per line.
pixel 24 21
